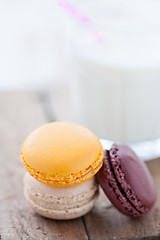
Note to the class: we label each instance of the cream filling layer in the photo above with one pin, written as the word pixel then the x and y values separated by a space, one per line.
pixel 60 198
pixel 60 206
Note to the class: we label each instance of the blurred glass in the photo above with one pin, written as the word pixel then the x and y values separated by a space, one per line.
pixel 116 82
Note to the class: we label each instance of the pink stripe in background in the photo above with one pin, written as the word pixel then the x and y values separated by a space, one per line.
pixel 66 5
pixel 78 15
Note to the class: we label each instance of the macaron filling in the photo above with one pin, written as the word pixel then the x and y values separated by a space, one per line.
pixel 60 202
pixel 125 187
pixel 119 185
pixel 59 206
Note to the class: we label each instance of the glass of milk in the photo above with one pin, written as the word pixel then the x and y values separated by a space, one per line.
pixel 116 82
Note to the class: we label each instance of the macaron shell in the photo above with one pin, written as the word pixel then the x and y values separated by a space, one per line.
pixel 62 153
pixel 60 194
pixel 62 215
pixel 137 176
pixel 60 202
pixel 126 188
pixel 127 181
pixel 108 190
pixel 113 190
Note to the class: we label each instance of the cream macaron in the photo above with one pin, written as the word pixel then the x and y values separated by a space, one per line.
pixel 61 159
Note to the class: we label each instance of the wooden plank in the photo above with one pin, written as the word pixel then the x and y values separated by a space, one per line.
pixel 105 222
pixel 20 113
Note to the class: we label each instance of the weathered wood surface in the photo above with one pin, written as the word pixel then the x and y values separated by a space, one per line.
pixel 20 113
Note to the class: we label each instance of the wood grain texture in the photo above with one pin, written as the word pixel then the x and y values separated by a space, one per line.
pixel 20 113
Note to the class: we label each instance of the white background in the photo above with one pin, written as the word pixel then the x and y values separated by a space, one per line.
pixel 31 47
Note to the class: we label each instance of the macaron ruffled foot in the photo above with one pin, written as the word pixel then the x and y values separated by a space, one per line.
pixel 61 159
pixel 60 202
pixel 126 181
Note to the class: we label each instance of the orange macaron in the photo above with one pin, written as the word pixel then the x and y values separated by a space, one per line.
pixel 62 154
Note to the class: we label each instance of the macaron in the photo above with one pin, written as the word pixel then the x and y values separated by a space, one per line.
pixel 61 159
pixel 60 202
pixel 126 181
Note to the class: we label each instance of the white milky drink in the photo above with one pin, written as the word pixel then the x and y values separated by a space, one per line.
pixel 116 83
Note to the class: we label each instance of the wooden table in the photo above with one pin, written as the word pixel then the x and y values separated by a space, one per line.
pixel 20 113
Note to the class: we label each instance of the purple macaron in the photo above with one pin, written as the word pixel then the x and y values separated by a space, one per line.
pixel 126 181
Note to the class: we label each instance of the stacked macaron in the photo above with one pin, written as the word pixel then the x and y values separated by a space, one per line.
pixel 61 159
